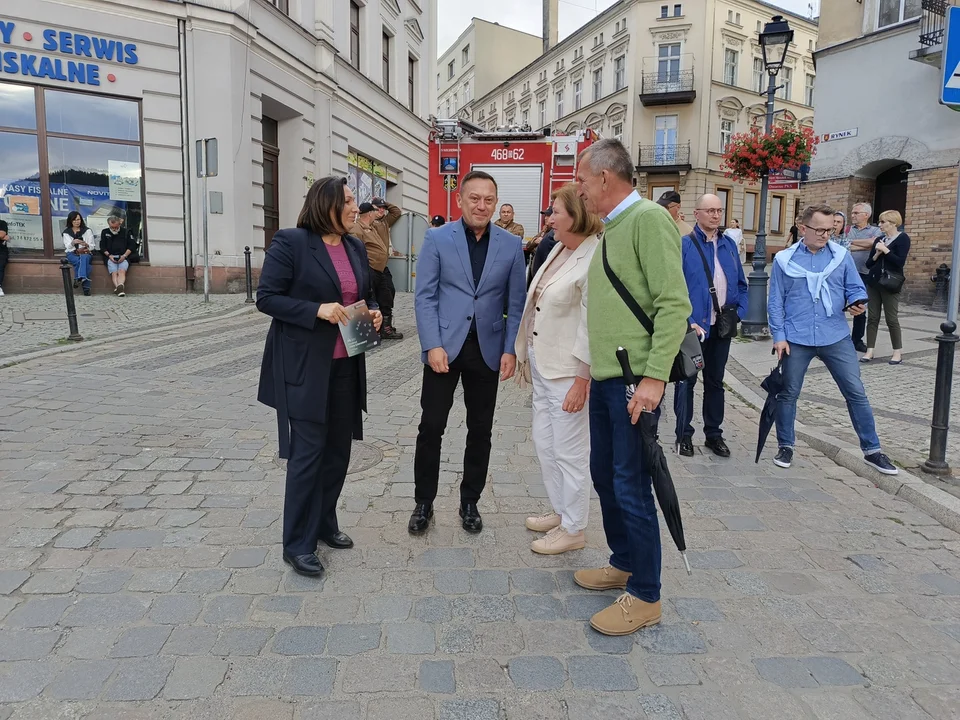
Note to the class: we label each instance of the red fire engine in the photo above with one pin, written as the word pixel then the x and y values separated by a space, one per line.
pixel 528 166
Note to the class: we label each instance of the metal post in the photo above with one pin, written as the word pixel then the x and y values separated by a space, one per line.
pixel 206 244
pixel 936 464
pixel 74 335
pixel 955 273
pixel 249 272
pixel 755 324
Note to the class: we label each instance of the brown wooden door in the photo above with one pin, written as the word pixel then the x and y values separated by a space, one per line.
pixel 271 181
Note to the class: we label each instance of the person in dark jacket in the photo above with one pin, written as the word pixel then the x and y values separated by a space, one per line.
pixel 309 276
pixel 116 245
pixel 889 253
pixel 4 252
pixel 543 244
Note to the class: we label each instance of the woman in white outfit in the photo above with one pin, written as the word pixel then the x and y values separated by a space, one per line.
pixel 553 352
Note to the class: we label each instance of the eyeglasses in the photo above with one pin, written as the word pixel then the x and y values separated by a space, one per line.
pixel 712 211
pixel 821 232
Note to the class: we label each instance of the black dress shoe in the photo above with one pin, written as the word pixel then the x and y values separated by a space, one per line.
pixel 718 446
pixel 420 519
pixel 685 447
pixel 339 540
pixel 308 564
pixel 472 522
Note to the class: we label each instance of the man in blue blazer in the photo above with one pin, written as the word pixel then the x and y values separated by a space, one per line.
pixel 726 273
pixel 468 271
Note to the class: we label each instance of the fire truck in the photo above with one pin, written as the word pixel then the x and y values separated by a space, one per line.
pixel 527 165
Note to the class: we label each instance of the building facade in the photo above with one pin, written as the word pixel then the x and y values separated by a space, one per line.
pixel 482 57
pixel 890 143
pixel 102 102
pixel 674 81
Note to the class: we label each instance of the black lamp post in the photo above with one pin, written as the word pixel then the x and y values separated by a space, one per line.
pixel 774 41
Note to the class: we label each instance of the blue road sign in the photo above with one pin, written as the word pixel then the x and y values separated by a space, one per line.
pixel 950 93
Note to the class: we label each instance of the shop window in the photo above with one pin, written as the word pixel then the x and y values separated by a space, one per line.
pixel 74 113
pixel 20 201
pixel 18 107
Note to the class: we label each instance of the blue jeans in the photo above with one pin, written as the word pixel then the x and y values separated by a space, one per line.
pixel 81 265
pixel 625 489
pixel 841 360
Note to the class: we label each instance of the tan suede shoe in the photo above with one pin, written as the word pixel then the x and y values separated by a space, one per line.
pixel 543 523
pixel 627 615
pixel 605 578
pixel 559 541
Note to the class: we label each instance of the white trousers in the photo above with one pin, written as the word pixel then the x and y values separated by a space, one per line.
pixel 562 441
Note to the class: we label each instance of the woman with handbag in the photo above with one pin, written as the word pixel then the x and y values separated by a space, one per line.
pixel 553 351
pixel 884 282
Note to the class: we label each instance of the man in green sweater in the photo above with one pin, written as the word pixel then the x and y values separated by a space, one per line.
pixel 643 249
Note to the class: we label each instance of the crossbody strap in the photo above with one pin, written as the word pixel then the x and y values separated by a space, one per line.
pixel 622 291
pixel 706 270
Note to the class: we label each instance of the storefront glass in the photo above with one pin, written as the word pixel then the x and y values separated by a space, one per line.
pixel 63 151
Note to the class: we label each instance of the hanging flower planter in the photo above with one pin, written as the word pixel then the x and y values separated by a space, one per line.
pixel 751 155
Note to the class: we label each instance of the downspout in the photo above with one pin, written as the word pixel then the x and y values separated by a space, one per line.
pixel 185 155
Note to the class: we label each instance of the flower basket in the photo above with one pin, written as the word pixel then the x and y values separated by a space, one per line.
pixel 751 155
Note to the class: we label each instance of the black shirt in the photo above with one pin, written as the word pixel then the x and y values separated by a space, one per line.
pixel 478 257
pixel 543 249
pixel 116 244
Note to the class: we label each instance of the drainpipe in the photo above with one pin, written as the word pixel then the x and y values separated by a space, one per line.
pixel 185 155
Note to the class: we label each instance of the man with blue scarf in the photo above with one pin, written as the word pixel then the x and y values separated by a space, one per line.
pixel 811 285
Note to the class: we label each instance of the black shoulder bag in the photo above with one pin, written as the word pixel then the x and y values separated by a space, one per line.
pixel 689 360
pixel 890 279
pixel 727 316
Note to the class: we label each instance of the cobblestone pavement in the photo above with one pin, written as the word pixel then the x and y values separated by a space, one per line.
pixel 36 322
pixel 141 577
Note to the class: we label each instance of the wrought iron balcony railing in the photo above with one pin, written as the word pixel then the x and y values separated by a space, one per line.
pixel 657 83
pixel 933 21
pixel 664 156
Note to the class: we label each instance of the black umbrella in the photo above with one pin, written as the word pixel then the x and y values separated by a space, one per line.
pixel 773 384
pixel 656 461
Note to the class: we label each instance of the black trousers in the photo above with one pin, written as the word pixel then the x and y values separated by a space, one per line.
pixel 384 290
pixel 317 468
pixel 4 256
pixel 859 328
pixel 716 352
pixel 480 385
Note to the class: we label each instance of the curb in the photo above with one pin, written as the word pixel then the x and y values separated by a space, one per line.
pixel 6 362
pixel 942 507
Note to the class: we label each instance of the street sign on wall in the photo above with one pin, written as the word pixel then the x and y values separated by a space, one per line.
pixel 950 91
pixel 840 135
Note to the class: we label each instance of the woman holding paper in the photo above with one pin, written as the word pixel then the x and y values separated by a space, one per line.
pixel 311 276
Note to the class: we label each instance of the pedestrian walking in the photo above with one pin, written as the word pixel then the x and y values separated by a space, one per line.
pixel 553 346
pixel 639 255
pixel 467 272
pixel 884 282
pixel 310 274
pixel 860 239
pixel 811 285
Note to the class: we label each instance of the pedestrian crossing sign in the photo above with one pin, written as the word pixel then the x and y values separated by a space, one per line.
pixel 950 93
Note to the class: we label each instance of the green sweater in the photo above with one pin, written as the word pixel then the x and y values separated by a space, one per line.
pixel 643 248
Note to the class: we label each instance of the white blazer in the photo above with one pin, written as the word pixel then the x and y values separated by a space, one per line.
pixel 561 342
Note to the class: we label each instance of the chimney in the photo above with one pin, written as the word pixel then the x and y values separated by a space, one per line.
pixel 551 12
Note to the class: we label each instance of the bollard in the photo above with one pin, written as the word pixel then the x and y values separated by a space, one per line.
pixel 936 464
pixel 941 287
pixel 71 306
pixel 246 261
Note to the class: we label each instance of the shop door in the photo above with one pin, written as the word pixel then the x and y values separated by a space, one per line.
pixel 271 180
pixel 892 191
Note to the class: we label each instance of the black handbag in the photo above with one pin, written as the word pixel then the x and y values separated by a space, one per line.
pixel 728 316
pixel 689 360
pixel 891 280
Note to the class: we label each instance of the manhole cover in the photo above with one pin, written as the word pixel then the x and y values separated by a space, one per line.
pixel 363 456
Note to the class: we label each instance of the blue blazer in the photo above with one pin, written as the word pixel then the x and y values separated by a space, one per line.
pixel 697 286
pixel 447 300
pixel 298 277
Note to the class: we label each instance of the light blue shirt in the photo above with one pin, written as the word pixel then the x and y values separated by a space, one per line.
pixel 631 199
pixel 794 316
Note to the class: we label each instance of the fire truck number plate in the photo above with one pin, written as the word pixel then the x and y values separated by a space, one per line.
pixel 507 154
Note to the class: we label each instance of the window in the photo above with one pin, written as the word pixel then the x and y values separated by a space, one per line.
pixel 737 19
pixel 729 16
pixel 482 115
pixel 597 84
pixel 525 117
pixel 542 110
pixel 759 27
pixel 892 12
pixel 786 84
pixel 751 201
pixel 386 63
pixel 448 108
pixel 560 104
pixel 618 131
pixel 466 93
pixel 776 214
pixel 677 11
pixel 438 81
pixel 726 134
pixel 668 64
pixel 808 90
pixel 355 35
pixel 730 60
pixel 456 102
pixel 665 139
pixel 619 73
pixel 465 56
pixel 664 11
pixel 810 45
pixel 617 28
pixel 577 95
pixel 412 84
pixel 725 195
pixel 759 76
pixel 281 5
pixel 91 147
pixel 451 69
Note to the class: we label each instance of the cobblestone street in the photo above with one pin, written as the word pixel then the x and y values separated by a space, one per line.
pixel 141 573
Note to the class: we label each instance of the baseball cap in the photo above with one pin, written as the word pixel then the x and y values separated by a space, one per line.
pixel 379 202
pixel 547 212
pixel 438 220
pixel 366 207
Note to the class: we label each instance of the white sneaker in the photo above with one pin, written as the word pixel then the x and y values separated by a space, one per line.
pixel 559 541
pixel 1 292
pixel 543 523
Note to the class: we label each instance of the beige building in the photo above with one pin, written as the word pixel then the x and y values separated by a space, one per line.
pixel 673 81
pixel 482 57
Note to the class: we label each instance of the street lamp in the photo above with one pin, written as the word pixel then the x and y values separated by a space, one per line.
pixel 774 41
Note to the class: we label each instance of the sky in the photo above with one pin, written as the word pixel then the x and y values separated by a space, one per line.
pixel 455 15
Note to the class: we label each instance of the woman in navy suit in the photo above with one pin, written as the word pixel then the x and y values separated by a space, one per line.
pixel 309 275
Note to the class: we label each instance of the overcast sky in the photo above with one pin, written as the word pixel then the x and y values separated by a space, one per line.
pixel 455 15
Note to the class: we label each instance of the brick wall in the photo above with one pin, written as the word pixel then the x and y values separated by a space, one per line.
pixel 931 214
pixel 840 194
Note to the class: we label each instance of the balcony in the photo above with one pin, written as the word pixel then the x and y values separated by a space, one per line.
pixel 664 159
pixel 664 82
pixel 933 25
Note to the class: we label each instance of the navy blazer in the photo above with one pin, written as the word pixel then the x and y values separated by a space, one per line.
pixel 697 285
pixel 298 277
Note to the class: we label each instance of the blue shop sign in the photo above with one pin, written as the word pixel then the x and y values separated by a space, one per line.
pixel 36 65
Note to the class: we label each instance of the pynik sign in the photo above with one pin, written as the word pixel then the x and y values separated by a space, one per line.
pixel 31 64
pixel 841 135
